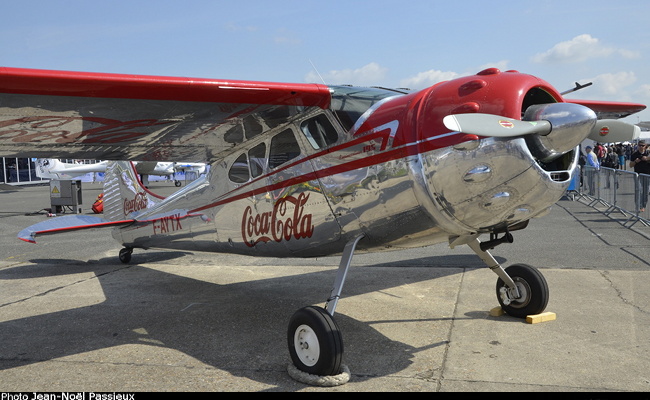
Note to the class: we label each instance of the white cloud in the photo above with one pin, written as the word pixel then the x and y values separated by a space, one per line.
pixel 368 75
pixel 286 37
pixel 502 65
pixel 643 91
pixel 579 49
pixel 620 86
pixel 427 78
pixel 431 77
pixel 614 84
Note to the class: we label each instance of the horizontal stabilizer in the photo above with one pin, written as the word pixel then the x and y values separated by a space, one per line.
pixel 614 131
pixel 66 224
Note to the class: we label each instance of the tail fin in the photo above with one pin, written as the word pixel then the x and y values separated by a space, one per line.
pixel 124 195
pixel 43 167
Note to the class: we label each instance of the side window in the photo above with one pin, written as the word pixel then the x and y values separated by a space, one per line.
pixel 284 147
pixel 319 131
pixel 239 170
pixel 256 156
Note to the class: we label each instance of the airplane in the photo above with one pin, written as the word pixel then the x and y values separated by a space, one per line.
pixel 147 168
pixel 309 170
pixel 51 168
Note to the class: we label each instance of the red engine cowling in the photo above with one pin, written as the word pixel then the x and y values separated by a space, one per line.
pixel 490 91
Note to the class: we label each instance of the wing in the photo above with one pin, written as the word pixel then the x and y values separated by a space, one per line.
pixel 60 114
pixel 610 109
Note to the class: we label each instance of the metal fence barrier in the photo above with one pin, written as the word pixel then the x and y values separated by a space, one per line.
pixel 620 194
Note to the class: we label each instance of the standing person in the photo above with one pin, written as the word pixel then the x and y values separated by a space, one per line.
pixel 601 152
pixel 592 161
pixel 640 161
pixel 621 155
pixel 611 159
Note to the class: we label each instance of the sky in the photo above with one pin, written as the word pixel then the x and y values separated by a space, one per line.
pixel 406 43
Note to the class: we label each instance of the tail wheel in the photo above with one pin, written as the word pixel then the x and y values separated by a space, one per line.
pixel 125 255
pixel 533 291
pixel 315 342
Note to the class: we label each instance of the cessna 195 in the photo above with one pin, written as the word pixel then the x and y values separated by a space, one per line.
pixel 52 168
pixel 304 170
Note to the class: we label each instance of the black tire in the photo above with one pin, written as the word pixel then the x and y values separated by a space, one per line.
pixel 315 342
pixel 533 288
pixel 125 255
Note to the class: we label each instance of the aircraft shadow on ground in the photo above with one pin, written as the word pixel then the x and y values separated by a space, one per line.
pixel 238 327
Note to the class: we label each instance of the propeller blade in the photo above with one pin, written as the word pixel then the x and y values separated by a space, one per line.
pixel 613 131
pixel 494 125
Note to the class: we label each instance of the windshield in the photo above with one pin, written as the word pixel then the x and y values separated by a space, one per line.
pixel 349 103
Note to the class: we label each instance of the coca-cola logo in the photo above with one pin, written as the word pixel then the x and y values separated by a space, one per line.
pixel 139 202
pixel 279 224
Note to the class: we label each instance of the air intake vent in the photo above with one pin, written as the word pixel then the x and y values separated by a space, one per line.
pixel 561 176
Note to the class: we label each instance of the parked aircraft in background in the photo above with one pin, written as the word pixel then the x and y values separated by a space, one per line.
pixel 306 170
pixel 51 168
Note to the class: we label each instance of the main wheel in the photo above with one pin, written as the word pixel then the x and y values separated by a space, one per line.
pixel 315 342
pixel 533 291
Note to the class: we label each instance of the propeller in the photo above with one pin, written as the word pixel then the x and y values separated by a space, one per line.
pixel 550 129
pixel 614 131
pixel 495 125
pixel 605 130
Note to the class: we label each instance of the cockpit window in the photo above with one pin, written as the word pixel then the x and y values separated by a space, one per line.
pixel 256 156
pixel 238 172
pixel 349 103
pixel 284 147
pixel 319 131
pixel 252 164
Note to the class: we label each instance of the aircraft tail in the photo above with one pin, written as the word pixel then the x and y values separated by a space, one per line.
pixel 124 195
pixel 125 198
pixel 44 168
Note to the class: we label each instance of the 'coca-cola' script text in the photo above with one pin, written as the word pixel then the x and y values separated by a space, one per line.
pixel 139 202
pixel 279 224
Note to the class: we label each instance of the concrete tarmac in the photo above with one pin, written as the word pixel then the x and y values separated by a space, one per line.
pixel 73 318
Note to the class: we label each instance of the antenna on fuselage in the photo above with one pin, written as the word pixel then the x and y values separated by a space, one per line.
pixel 319 75
pixel 576 88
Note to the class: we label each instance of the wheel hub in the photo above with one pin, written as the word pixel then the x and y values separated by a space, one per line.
pixel 306 345
pixel 509 295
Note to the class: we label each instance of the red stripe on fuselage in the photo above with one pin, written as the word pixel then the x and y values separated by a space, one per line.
pixel 376 159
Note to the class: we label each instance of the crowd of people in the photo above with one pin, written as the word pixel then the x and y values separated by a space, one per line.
pixel 619 156
pixel 626 156
pixel 614 155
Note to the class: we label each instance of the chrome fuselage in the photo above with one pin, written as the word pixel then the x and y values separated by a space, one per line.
pixel 400 182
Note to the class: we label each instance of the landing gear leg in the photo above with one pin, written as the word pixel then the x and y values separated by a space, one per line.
pixel 521 289
pixel 125 254
pixel 314 338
